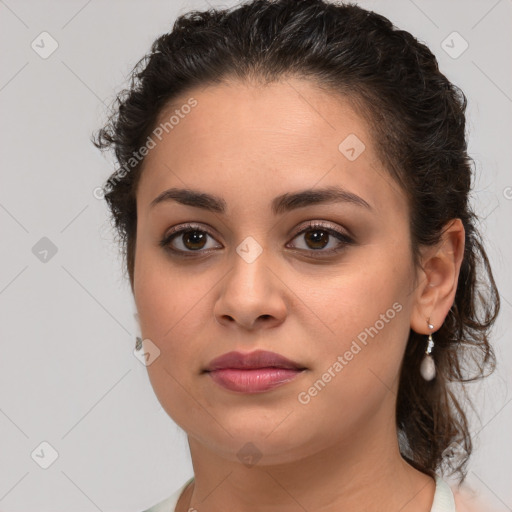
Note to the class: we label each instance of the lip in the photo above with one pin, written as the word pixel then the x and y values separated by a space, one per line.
pixel 256 380
pixel 252 360
pixel 253 372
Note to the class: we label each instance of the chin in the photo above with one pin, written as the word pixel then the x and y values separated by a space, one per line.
pixel 259 441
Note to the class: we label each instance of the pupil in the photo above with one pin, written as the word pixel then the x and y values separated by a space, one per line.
pixel 321 239
pixel 194 237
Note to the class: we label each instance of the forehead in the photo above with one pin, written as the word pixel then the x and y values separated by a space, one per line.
pixel 247 137
pixel 294 111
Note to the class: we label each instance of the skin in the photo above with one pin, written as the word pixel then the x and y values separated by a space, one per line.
pixel 249 143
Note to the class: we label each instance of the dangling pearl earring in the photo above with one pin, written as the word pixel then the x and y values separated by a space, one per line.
pixel 428 366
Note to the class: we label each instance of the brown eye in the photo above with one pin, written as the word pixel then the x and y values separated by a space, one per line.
pixel 194 240
pixel 189 239
pixel 317 237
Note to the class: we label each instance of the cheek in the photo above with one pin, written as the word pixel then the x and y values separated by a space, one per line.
pixel 355 296
pixel 161 296
pixel 366 310
pixel 168 311
pixel 169 307
pixel 158 303
pixel 172 308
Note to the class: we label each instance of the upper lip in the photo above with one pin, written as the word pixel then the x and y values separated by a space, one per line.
pixel 256 359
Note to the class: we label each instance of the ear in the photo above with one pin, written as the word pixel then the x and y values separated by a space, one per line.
pixel 437 278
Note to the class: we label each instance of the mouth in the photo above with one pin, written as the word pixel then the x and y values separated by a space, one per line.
pixel 254 372
pixel 252 360
pixel 257 380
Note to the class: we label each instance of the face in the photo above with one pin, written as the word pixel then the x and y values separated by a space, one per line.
pixel 326 283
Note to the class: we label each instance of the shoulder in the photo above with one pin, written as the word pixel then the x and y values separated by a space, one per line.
pixel 467 500
pixel 451 497
pixel 169 503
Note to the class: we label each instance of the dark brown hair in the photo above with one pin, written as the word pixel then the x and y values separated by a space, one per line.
pixel 417 122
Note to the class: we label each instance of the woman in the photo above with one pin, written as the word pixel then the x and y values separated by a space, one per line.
pixel 292 202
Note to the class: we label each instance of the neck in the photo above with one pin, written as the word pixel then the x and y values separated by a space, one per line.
pixel 364 471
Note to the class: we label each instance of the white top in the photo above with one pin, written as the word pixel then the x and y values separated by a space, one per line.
pixel 443 499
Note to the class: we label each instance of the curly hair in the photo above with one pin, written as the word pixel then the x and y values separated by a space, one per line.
pixel 417 122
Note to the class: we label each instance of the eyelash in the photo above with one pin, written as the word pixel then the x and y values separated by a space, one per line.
pixel 344 239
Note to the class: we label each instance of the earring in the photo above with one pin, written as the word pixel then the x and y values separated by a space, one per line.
pixel 428 366
pixel 138 339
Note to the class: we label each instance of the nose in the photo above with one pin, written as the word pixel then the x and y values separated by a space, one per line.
pixel 252 296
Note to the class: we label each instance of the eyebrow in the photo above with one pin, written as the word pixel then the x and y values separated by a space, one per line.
pixel 280 204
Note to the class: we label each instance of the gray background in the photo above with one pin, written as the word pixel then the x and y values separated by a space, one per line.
pixel 67 372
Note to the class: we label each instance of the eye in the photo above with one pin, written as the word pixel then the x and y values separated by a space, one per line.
pixel 185 240
pixel 318 236
pixel 189 239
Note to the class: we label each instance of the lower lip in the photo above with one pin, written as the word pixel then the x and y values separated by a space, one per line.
pixel 256 380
